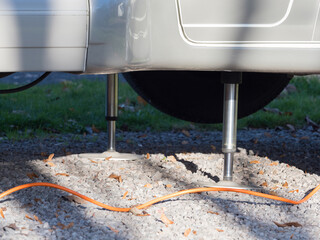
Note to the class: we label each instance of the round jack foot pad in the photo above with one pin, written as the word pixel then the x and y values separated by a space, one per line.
pixel 112 156
pixel 228 184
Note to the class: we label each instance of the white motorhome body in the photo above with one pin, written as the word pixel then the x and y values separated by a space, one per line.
pixel 110 36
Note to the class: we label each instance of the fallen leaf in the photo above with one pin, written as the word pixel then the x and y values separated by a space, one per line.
pixel 148 185
pixel 113 230
pixel 267 134
pixel 219 230
pixel 70 225
pixel 288 224
pixel 51 164
pixel 312 123
pixel 255 141
pixel 291 127
pixel 44 154
pixel 273 110
pixel 143 136
pixel 213 147
pixel 254 162
pixel 49 158
pixel 32 175
pixel 285 185
pixel 292 191
pixel 265 184
pixel 168 186
pixel 29 217
pixel 108 158
pixel 61 225
pixel 305 138
pixel 187 232
pixel 75 199
pixel 137 212
pixel 125 194
pixel 118 178
pixel 148 156
pixel 62 174
pixel 291 236
pixel 194 232
pixel 171 158
pixel 274 188
pixel 274 164
pixel 27 205
pixel 261 172
pixel 273 193
pixel 1 213
pixel 93 161
pixel 13 226
pixel 166 220
pixel 141 101
pixel 211 212
pixel 94 129
pixel 186 133
pixel 37 219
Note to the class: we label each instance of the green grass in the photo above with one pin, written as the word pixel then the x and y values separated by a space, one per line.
pixel 70 107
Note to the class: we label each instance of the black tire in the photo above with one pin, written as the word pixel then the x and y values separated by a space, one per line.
pixel 198 96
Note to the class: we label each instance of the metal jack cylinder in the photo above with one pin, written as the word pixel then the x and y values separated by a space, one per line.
pixel 230 116
pixel 111 111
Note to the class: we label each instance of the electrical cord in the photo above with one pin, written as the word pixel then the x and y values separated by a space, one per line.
pixel 160 199
pixel 25 87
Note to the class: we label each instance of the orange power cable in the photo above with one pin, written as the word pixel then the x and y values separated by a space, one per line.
pixel 156 200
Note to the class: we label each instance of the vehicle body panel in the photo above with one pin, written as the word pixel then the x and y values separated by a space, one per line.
pixel 111 36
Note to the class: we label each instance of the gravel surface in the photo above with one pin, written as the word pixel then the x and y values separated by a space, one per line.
pixel 284 163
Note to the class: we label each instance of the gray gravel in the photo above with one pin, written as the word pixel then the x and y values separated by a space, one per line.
pixel 177 162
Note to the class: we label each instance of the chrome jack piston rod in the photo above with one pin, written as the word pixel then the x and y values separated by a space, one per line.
pixel 111 113
pixel 231 81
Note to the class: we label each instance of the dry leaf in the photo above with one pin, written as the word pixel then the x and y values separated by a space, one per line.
pixel 274 188
pixel 194 232
pixel 255 141
pixel 137 212
pixel 219 230
pixel 51 164
pixel 118 178
pixel 187 232
pixel 288 224
pixel 267 134
pixel 186 133
pixel 166 220
pixel 62 174
pixel 125 194
pixel 254 162
pixel 148 185
pixel 49 158
pixel 70 225
pixel 1 213
pixel 13 226
pixel 285 185
pixel 273 193
pixel 29 217
pixel 211 212
pixel 37 219
pixel 148 156
pixel 304 138
pixel 291 236
pixel 44 154
pixel 32 175
pixel 171 158
pixel 113 230
pixel 141 101
pixel 108 158
pixel 297 190
pixel 265 184
pixel 274 164
pixel 27 205
pixel 213 147
pixel 261 172
pixel 94 129
pixel 168 186
pixel 75 199
pixel 93 161
pixel 143 136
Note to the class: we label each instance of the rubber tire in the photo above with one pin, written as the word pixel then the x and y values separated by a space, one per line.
pixel 198 96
